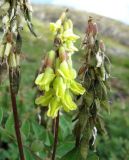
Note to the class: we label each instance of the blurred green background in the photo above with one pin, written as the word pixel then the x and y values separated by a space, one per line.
pixel 113 146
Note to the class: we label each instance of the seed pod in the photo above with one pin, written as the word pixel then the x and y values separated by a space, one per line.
pixel 92 60
pixel 17 56
pixel 12 60
pixel 107 64
pixel 104 91
pixel 82 70
pixel 2 48
pixel 102 72
pixel 19 21
pixel 7 49
pixel 4 8
pixel 96 46
pixel 3 70
pixel 88 98
pixel 14 75
pixel 98 90
pixel 84 146
pixel 18 43
pixel 9 37
pixel 5 22
pixel 99 59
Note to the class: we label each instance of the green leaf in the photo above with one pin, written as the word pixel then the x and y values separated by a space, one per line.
pixel 93 157
pixel 28 155
pixel 74 154
pixel 64 148
pixel 37 146
pixel 25 128
pixel 1 115
pixel 38 131
pixel 9 125
pixel 47 140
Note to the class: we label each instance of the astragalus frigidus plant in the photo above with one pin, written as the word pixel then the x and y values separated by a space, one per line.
pixel 12 13
pixel 95 74
pixel 57 80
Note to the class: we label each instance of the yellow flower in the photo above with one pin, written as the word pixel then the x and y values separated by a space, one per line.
pixel 54 106
pixel 43 80
pixel 59 86
pixel 45 99
pixel 68 103
pixel 76 88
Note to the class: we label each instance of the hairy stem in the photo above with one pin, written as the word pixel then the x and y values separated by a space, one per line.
pixel 56 128
pixel 16 121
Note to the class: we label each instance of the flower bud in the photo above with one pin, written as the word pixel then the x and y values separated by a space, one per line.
pixel 69 35
pixel 53 28
pixel 66 25
pixel 57 64
pixel 62 53
pixel 50 58
pixel 70 23
pixel 62 17
pixel 58 23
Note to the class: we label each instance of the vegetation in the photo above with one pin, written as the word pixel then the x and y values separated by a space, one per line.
pixel 37 140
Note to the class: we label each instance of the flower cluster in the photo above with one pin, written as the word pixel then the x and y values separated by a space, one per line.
pixel 58 78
